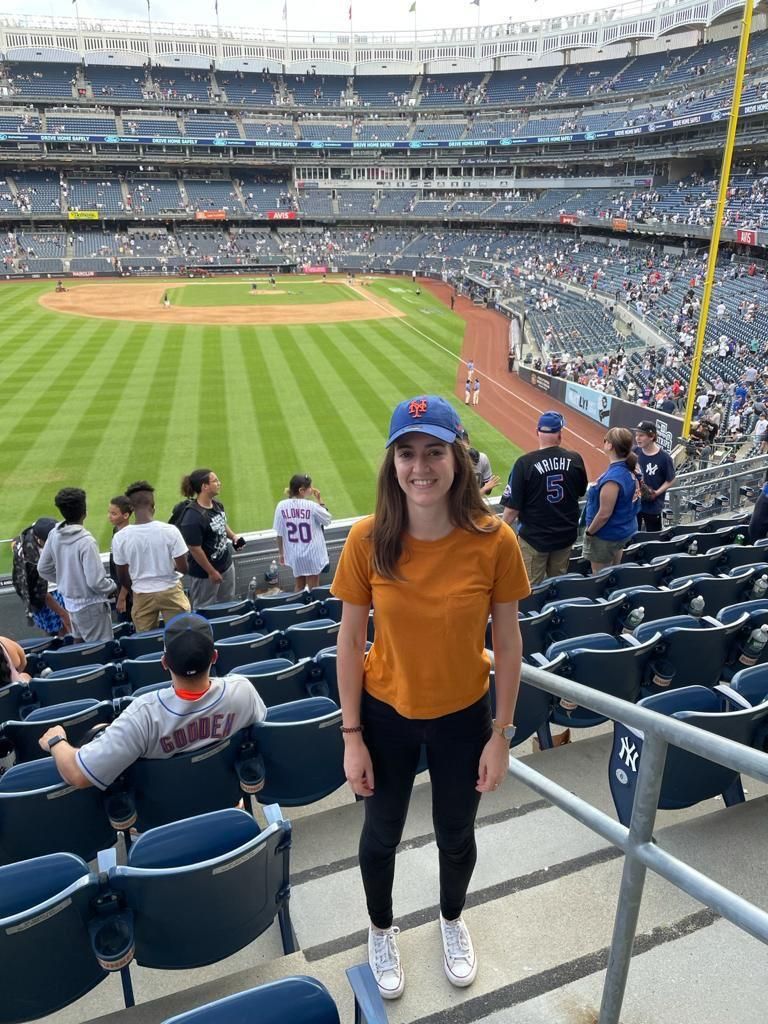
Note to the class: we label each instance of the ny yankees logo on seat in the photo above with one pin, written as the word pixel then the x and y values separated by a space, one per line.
pixel 418 407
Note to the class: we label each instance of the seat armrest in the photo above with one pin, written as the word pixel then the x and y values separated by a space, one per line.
pixel 369 1006
pixel 732 696
pixel 273 813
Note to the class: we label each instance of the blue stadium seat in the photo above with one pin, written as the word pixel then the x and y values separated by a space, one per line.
pixel 330 608
pixel 538 597
pixel 717 591
pixel 94 682
pixel 690 652
pixel 646 551
pixel 752 684
pixel 657 602
pixel 154 792
pixel 573 584
pixel 226 608
pixel 202 888
pixel 42 814
pixel 241 650
pixel 137 644
pixel 289 614
pixel 77 655
pixel 688 779
pixel 684 564
pixel 534 630
pixel 320 593
pixel 279 680
pixel 293 1000
pixel 301 750
pixel 143 671
pixel 307 638
pixel 609 664
pixel 630 574
pixel 233 625
pixel 278 600
pixel 733 555
pixel 13 697
pixel 46 958
pixel 77 717
pixel 577 616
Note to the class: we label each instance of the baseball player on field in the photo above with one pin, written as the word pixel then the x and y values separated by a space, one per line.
pixel 300 519
pixel 195 711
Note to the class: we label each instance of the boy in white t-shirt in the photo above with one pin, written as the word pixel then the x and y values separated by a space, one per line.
pixel 150 558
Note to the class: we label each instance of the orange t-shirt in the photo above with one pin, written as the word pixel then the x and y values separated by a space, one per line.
pixel 428 656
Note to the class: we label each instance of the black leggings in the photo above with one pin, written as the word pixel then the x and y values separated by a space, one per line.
pixel 453 744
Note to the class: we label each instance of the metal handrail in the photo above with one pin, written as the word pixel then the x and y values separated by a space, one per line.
pixel 641 852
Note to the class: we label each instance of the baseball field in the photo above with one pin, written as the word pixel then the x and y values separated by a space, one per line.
pixel 111 381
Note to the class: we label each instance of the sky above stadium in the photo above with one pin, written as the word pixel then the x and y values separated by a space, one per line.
pixel 328 15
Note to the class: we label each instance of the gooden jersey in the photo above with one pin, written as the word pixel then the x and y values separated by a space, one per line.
pixel 545 487
pixel 300 523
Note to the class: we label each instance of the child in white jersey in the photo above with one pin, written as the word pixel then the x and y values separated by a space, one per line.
pixel 300 519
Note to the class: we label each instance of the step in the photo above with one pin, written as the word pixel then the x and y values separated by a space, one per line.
pixel 535 864
pixel 543 940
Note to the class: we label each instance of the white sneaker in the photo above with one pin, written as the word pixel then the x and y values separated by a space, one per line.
pixel 459 960
pixel 384 959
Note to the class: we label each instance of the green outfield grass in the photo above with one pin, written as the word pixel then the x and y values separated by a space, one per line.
pixel 288 291
pixel 99 403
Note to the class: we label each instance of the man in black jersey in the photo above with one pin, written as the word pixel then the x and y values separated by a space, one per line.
pixel 543 495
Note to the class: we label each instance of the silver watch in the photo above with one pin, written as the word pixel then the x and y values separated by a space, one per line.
pixel 507 731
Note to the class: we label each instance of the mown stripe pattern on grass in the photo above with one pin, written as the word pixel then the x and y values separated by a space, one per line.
pixel 98 404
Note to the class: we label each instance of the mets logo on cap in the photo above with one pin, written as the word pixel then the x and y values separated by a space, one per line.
pixel 417 407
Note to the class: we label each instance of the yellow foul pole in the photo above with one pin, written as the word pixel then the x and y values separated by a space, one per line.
pixel 722 194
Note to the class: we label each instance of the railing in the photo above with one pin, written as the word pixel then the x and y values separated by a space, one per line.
pixel 641 852
pixel 729 477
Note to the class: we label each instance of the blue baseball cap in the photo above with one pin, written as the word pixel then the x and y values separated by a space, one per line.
pixel 427 414
pixel 550 423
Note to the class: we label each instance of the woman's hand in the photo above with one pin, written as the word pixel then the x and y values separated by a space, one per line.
pixel 494 764
pixel 358 768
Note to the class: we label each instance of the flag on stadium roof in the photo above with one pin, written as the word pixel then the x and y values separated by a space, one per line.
pixel 412 8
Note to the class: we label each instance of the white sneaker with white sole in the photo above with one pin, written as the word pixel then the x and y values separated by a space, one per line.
pixel 384 960
pixel 459 960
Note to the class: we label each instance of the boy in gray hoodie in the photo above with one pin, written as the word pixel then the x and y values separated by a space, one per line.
pixel 71 559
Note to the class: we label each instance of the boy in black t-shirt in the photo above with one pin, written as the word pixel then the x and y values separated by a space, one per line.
pixel 543 494
pixel 658 474
pixel 203 526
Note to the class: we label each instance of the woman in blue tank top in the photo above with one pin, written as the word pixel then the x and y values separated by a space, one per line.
pixel 612 502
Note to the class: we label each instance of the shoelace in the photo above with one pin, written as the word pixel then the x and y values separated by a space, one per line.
pixel 457 940
pixel 385 950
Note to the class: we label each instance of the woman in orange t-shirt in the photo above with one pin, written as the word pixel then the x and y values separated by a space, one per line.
pixel 433 564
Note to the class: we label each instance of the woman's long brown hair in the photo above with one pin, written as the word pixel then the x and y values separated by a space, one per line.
pixel 466 509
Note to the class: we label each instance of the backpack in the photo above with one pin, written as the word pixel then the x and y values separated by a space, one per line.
pixel 178 510
pixel 27 582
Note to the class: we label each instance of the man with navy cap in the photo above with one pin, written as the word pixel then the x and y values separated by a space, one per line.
pixel 543 496
pixel 195 711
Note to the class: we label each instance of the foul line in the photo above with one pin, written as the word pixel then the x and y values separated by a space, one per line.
pixel 495 383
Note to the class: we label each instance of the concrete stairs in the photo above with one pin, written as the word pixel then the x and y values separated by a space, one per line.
pixel 540 907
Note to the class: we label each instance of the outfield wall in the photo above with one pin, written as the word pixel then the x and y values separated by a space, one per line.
pixel 605 409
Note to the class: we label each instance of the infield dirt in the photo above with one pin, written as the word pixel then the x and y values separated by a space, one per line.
pixel 144 303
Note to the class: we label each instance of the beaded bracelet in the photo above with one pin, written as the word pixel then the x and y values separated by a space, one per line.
pixel 353 728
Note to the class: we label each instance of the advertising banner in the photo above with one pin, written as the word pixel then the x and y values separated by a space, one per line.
pixel 83 215
pixel 594 404
pixel 669 429
pixel 210 215
pixel 310 268
pixel 281 215
pixel 569 218
pixel 746 237
pixel 619 224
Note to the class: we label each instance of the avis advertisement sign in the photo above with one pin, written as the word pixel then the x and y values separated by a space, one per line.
pixel 281 215
pixel 746 237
